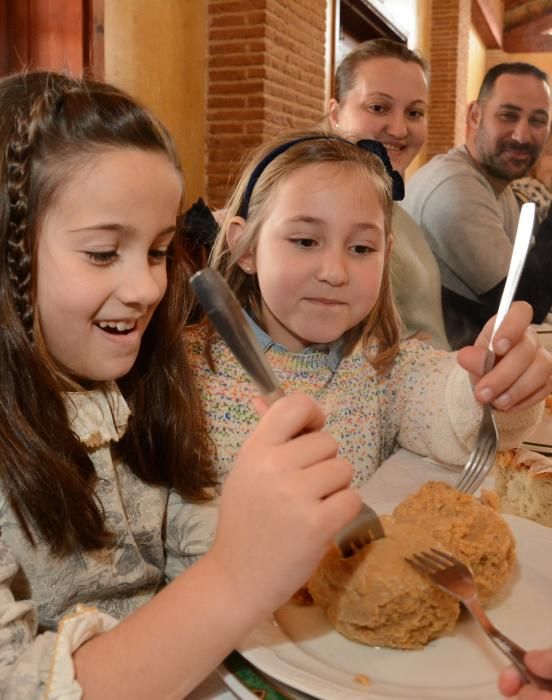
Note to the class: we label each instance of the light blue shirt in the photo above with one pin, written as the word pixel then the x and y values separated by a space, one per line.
pixel 333 350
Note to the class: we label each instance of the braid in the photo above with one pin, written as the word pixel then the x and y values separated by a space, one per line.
pixel 18 162
pixel 18 254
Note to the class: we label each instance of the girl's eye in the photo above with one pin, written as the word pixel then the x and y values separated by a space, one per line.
pixel 303 242
pixel 102 257
pixel 361 249
pixel 159 254
pixel 416 114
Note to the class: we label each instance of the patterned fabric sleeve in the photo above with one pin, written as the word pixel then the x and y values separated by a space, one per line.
pixel 529 189
pixel 39 667
pixel 190 533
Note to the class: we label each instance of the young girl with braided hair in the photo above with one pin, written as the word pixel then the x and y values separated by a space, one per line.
pixel 305 246
pixel 102 445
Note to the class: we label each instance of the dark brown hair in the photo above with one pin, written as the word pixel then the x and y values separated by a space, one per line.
pixel 383 324
pixel 517 68
pixel 50 126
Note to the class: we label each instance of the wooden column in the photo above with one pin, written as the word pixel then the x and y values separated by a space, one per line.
pixel 156 51
pixel 42 34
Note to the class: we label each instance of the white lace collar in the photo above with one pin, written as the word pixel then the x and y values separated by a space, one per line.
pixel 97 417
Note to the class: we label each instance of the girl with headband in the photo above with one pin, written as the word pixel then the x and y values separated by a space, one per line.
pixel 305 246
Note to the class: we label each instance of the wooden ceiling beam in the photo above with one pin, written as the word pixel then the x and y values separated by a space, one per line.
pixel 527 12
pixel 487 17
pixel 531 36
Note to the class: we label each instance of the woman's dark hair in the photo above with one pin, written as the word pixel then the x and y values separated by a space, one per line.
pixel 51 125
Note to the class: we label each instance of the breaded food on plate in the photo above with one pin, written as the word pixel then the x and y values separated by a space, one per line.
pixel 377 598
pixel 471 530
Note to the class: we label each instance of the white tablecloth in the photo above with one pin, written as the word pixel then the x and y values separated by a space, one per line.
pixel 400 475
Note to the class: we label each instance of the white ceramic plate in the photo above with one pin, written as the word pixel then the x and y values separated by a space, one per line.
pixel 540 439
pixel 237 688
pixel 298 647
pixel 545 335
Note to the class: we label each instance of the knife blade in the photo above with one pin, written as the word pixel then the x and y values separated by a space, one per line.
pixel 227 316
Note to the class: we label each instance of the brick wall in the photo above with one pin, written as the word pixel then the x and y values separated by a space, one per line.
pixel 449 41
pixel 265 74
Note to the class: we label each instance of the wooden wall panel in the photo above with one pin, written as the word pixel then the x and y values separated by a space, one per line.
pixel 56 35
pixel 157 52
pixel 3 37
pixel 94 39
pixel 17 17
pixel 43 34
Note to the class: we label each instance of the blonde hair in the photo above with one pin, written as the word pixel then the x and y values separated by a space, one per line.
pixel 381 329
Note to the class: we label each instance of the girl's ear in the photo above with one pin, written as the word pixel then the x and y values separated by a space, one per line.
pixel 333 113
pixel 234 233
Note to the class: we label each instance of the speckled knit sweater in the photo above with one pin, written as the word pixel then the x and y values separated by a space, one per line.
pixel 423 403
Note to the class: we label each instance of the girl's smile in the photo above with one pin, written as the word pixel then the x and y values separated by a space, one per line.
pixel 124 333
pixel 102 260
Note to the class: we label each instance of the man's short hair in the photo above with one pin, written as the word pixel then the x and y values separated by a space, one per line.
pixel 517 68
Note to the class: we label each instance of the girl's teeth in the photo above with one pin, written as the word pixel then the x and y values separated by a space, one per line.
pixel 118 325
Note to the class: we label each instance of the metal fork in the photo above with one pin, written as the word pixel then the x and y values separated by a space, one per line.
pixel 361 530
pixel 225 313
pixel 451 575
pixel 482 456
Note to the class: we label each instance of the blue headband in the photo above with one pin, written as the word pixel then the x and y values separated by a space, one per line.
pixel 370 145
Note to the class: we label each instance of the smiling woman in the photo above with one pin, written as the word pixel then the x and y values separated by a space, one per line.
pixel 381 93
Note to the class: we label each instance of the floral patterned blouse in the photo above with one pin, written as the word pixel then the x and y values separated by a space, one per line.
pixel 50 606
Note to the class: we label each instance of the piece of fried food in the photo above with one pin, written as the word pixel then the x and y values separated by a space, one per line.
pixel 467 528
pixel 375 597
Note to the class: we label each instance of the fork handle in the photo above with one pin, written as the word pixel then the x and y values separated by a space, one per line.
pixel 513 651
pixel 517 655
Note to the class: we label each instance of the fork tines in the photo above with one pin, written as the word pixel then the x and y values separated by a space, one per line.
pixel 482 459
pixel 432 561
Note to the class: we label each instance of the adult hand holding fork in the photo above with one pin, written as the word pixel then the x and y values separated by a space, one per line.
pixel 510 682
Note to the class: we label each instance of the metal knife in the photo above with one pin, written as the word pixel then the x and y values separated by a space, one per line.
pixel 226 315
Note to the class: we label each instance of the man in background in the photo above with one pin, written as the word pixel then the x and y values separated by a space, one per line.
pixel 469 213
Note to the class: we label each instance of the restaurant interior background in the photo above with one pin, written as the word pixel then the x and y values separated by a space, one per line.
pixel 225 74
